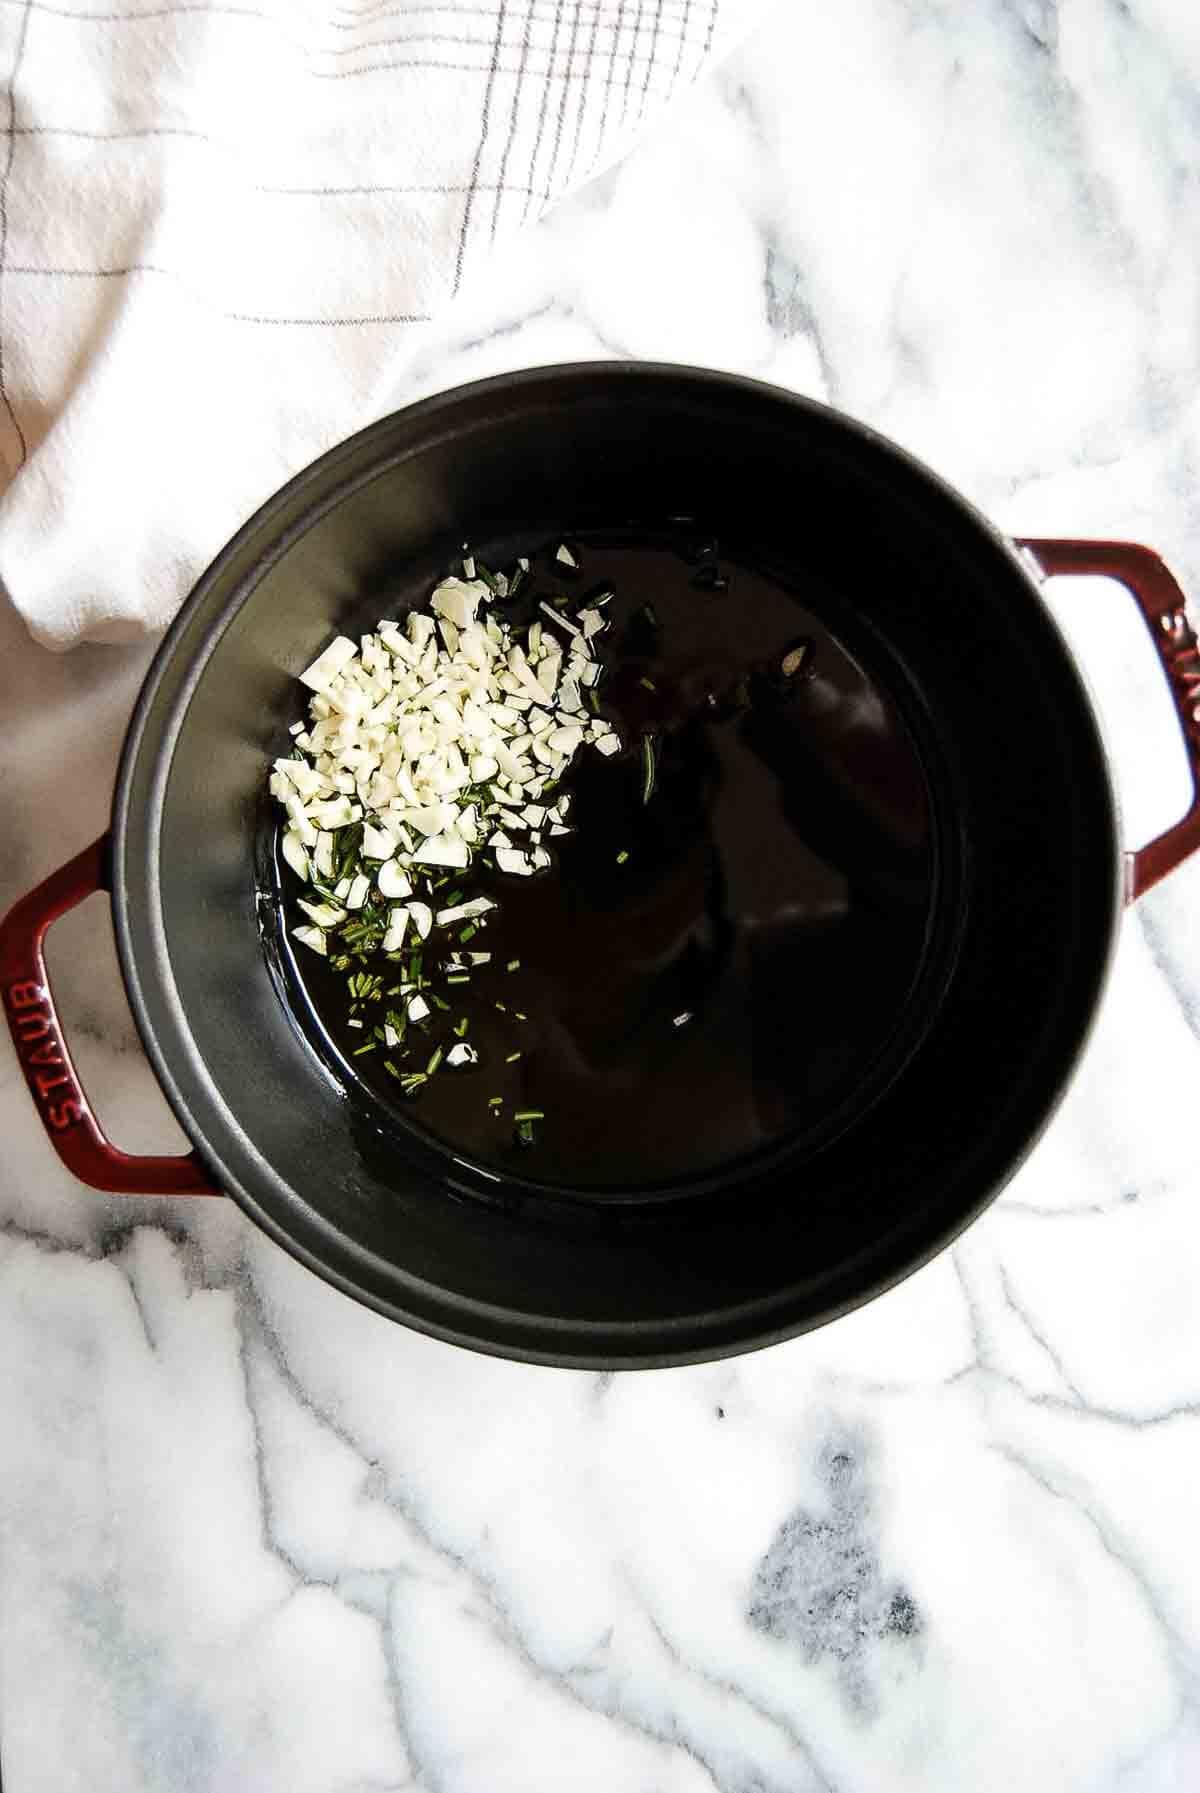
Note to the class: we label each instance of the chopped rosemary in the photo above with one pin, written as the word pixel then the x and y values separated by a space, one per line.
pixel 435 1059
pixel 349 842
pixel 649 767
pixel 354 933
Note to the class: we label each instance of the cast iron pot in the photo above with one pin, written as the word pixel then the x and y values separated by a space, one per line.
pixel 1033 874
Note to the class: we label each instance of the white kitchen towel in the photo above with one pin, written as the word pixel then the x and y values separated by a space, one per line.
pixel 220 220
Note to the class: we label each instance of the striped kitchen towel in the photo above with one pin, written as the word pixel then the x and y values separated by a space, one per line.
pixel 220 219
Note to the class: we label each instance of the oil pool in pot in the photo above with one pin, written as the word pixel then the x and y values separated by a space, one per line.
pixel 710 969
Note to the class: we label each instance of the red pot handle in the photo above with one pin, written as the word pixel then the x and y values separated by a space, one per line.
pixel 33 1022
pixel 1161 603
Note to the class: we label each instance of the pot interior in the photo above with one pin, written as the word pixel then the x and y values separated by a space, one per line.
pixel 747 927
pixel 1018 855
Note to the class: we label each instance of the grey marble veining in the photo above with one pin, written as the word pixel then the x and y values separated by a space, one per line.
pixel 253 1537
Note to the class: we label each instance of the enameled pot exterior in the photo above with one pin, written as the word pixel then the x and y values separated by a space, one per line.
pixel 938 592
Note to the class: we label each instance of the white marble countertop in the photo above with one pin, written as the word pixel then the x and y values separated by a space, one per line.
pixel 255 1539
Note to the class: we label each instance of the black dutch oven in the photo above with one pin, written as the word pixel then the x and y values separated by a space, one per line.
pixel 1032 872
